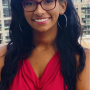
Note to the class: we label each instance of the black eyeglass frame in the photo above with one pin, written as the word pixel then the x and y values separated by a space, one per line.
pixel 37 3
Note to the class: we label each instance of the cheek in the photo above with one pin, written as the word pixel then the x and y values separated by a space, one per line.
pixel 55 13
pixel 27 16
pixel 57 10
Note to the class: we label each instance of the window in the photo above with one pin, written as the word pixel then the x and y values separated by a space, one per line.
pixel 0 26
pixel 7 39
pixel 76 1
pixel 85 9
pixel 86 19
pixel 0 38
pixel 6 8
pixel 87 16
pixel 86 22
pixel 86 29
pixel 76 7
pixel 6 24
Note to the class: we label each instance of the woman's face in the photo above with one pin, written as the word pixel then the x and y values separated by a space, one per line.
pixel 42 20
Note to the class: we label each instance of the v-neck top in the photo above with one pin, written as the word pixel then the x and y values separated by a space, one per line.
pixel 51 79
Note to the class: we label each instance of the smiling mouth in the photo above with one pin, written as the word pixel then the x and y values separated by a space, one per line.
pixel 41 20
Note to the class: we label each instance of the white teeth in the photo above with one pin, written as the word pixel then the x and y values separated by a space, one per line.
pixel 41 20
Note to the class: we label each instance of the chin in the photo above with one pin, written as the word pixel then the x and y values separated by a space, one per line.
pixel 42 30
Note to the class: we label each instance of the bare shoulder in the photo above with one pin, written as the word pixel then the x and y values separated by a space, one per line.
pixel 3 50
pixel 83 82
pixel 87 50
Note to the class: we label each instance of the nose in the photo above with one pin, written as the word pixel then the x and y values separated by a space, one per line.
pixel 39 11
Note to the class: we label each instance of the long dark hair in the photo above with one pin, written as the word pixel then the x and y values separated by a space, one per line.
pixel 21 46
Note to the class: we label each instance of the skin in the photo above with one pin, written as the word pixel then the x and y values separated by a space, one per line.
pixel 83 82
pixel 44 39
pixel 44 36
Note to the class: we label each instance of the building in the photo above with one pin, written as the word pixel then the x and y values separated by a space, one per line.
pixel 80 1
pixel 4 20
pixel 83 9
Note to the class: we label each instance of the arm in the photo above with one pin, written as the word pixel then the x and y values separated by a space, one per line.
pixel 2 56
pixel 84 82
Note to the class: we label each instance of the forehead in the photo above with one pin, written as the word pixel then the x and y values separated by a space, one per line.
pixel 34 0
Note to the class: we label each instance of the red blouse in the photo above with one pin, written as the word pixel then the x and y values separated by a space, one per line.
pixel 51 79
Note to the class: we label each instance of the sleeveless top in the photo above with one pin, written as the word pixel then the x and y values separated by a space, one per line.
pixel 51 78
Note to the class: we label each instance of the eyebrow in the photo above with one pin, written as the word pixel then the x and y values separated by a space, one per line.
pixel 37 0
pixel 33 0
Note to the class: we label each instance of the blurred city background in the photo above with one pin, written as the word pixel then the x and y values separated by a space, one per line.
pixel 82 7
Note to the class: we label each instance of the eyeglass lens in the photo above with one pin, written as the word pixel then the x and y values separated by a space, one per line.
pixel 30 5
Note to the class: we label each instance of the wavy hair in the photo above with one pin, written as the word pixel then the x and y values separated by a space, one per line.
pixel 21 46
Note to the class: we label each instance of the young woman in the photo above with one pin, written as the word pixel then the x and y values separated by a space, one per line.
pixel 44 53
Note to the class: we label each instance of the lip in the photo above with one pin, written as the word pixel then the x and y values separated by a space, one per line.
pixel 44 22
pixel 41 18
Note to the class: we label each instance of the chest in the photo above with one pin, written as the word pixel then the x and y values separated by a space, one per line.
pixel 51 78
pixel 39 61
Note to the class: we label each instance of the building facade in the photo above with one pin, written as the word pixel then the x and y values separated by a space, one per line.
pixel 5 17
pixel 82 8
pixel 81 1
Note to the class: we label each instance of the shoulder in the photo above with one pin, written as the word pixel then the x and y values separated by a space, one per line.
pixel 83 80
pixel 87 51
pixel 3 50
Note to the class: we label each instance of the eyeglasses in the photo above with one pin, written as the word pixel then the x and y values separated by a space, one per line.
pixel 30 5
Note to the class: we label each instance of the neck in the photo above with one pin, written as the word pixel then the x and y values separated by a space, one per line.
pixel 45 39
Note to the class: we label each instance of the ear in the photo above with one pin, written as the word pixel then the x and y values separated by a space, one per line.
pixel 63 6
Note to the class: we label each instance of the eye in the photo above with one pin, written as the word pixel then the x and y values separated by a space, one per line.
pixel 49 1
pixel 29 3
